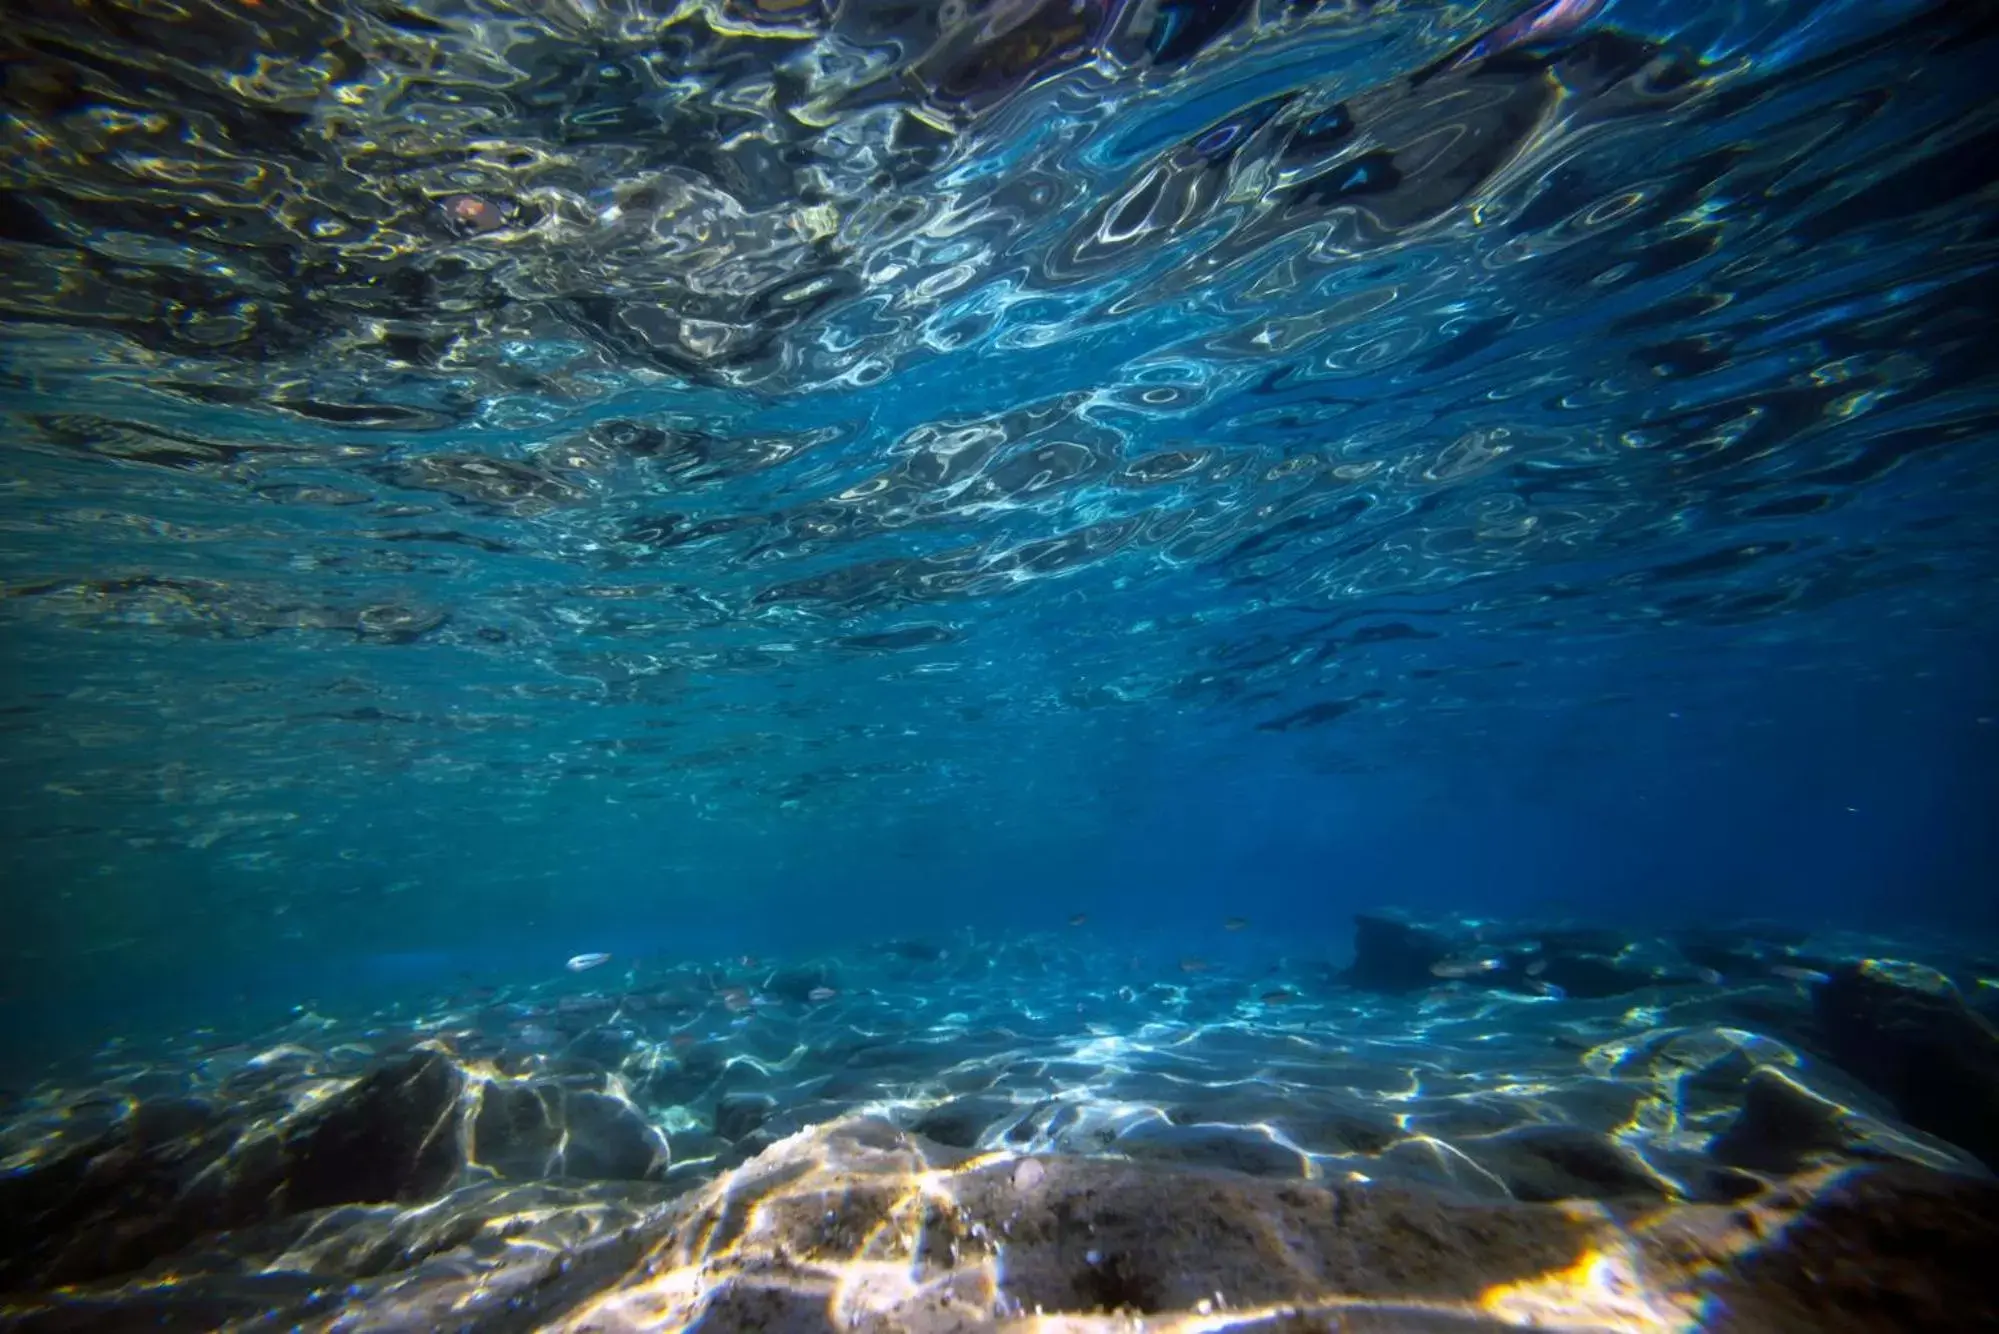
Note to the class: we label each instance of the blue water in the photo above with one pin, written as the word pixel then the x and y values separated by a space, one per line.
pixel 502 484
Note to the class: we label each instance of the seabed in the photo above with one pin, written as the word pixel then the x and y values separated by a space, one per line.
pixel 1718 1130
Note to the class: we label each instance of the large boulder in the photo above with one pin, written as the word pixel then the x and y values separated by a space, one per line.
pixel 1905 1030
pixel 391 1136
pixel 1391 953
pixel 524 1131
pixel 105 1185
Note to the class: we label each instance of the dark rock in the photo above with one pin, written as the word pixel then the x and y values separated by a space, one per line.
pixel 608 1139
pixel 392 1135
pixel 700 1070
pixel 693 1145
pixel 91 1197
pixel 890 1056
pixel 1781 1126
pixel 796 984
pixel 1594 976
pixel 848 1086
pixel 1233 1148
pixel 1555 1162
pixel 515 1131
pixel 961 1121
pixel 740 1113
pixel 1315 1122
pixel 1392 954
pixel 114 1191
pixel 1885 1249
pixel 1905 1031
pixel 1581 940
pixel 601 1047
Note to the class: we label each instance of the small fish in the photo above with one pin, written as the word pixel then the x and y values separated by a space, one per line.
pixel 1536 968
pixel 474 214
pixel 749 961
pixel 820 995
pixel 584 962
pixel 1548 989
pixel 1711 976
pixel 1463 967
pixel 735 999
pixel 1278 997
pixel 1792 973
pixel 1235 924
pixel 1193 965
pixel 1079 919
pixel 682 1041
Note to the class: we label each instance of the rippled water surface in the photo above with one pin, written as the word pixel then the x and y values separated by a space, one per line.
pixel 478 471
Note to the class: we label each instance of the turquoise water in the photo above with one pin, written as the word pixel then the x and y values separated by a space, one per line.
pixel 488 484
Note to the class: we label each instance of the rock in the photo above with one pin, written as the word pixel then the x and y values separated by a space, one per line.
pixel 1393 954
pixel 1594 976
pixel 1905 1031
pixel 1782 1125
pixel 1234 1148
pixel 1314 1121
pixel 604 1046
pixel 526 1131
pixel 128 1183
pixel 824 1232
pixel 606 1138
pixel 392 1135
pixel 961 1121
pixel 1556 1162
pixel 737 1114
pixel 1871 1252
pixel 514 1132
pixel 90 1188
pixel 796 984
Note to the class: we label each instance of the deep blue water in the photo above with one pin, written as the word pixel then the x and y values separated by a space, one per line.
pixel 495 485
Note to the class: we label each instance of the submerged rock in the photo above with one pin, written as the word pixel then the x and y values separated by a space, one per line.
pixel 1557 1162
pixel 1393 954
pixel 1235 1148
pixel 1783 1126
pixel 606 1138
pixel 1905 1030
pixel 391 1136
pixel 76 1207
pixel 798 984
pixel 739 1114
pixel 829 1232
pixel 961 1122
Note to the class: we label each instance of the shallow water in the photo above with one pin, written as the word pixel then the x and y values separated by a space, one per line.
pixel 734 486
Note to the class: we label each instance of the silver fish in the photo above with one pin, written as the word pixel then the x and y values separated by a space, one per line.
pixel 1792 973
pixel 583 962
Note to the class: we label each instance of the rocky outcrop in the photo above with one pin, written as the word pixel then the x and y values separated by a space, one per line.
pixel 104 1186
pixel 1905 1030
pixel 857 1226
pixel 1395 953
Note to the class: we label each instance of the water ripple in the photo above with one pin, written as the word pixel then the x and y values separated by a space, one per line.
pixel 915 370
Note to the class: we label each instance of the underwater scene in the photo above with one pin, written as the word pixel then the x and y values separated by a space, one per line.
pixel 944 665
